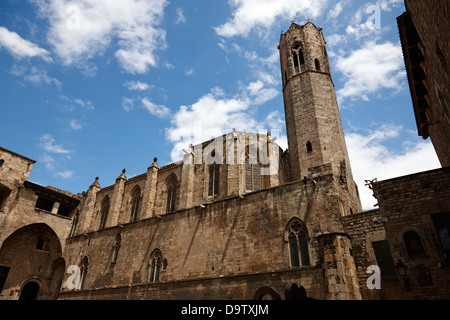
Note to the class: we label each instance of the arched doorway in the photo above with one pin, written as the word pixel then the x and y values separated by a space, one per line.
pixel 29 291
pixel 33 252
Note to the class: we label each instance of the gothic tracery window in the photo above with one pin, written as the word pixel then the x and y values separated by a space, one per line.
pixel 135 203
pixel 104 212
pixel 116 248
pixel 84 266
pixel 171 194
pixel 214 174
pixel 252 169
pixel 298 58
pixel 298 243
pixel 156 263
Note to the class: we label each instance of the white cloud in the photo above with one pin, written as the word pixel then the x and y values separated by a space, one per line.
pixel 40 77
pixel 251 15
pixel 137 85
pixel 180 17
pixel 127 104
pixel 47 142
pixel 215 114
pixel 75 124
pixel 160 111
pixel 336 10
pixel 81 30
pixel 71 104
pixel 48 161
pixel 66 174
pixel 370 69
pixel 370 158
pixel 21 48
pixel 189 72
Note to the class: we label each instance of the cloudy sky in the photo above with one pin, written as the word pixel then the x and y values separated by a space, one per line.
pixel 90 87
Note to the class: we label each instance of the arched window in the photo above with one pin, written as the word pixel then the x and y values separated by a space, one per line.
pixel 413 243
pixel 317 63
pixel 104 212
pixel 297 237
pixel 84 266
pixel 74 224
pixel 252 169
pixel 135 203
pixel 214 174
pixel 156 262
pixel 309 147
pixel 116 248
pixel 171 194
pixel 298 58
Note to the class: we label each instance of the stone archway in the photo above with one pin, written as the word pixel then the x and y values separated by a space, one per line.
pixel 29 291
pixel 32 252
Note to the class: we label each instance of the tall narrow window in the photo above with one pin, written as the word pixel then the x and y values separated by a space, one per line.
pixel 116 248
pixel 298 58
pixel 171 194
pixel 214 174
pixel 441 223
pixel 74 224
pixel 104 212
pixel 384 258
pixel 317 63
pixel 135 202
pixel 84 266
pixel 308 147
pixel 155 266
pixel 298 243
pixel 252 169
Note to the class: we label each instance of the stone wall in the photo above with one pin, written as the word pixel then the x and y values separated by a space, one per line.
pixel 228 238
pixel 409 203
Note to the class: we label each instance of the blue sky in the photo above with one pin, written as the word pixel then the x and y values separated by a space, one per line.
pixel 91 87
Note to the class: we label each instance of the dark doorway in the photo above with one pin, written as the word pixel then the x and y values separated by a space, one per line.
pixel 29 291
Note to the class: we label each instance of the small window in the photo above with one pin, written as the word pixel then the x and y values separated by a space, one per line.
pixel 308 147
pixel 40 244
pixel 2 162
pixel 155 266
pixel 413 244
pixel 317 63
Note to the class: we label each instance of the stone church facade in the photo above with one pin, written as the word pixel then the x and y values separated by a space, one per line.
pixel 237 218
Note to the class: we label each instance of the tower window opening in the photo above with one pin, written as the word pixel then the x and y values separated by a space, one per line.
pixel 299 59
pixel 171 194
pixel 309 147
pixel 317 63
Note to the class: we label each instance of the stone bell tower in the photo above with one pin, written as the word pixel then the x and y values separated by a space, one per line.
pixel 313 124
